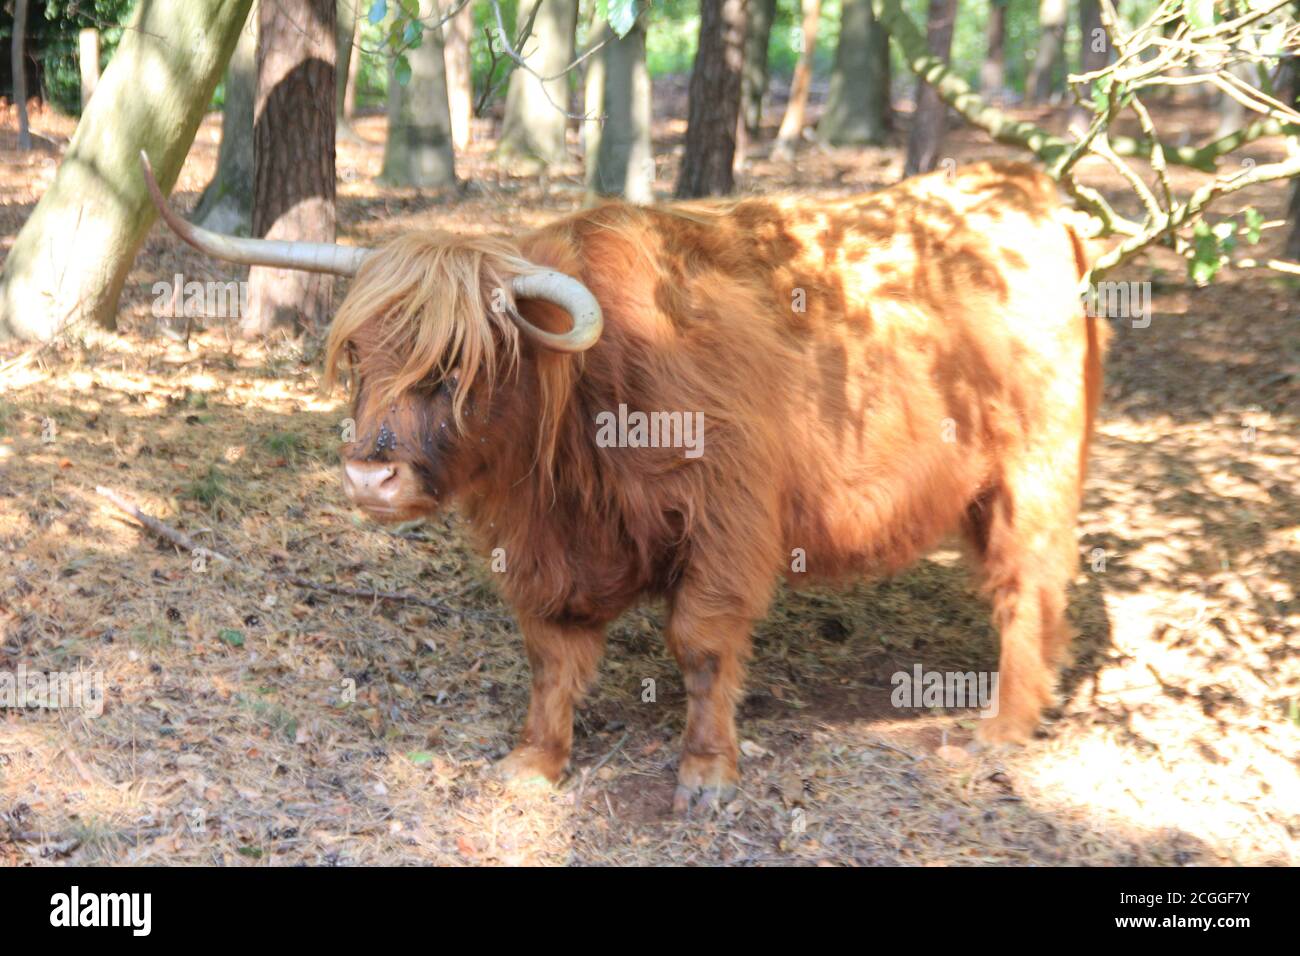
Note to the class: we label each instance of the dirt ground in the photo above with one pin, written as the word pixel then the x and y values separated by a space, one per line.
pixel 253 720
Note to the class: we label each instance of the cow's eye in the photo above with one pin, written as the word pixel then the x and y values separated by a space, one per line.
pixel 448 385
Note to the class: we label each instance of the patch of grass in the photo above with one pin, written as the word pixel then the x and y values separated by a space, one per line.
pixel 285 444
pixel 93 834
pixel 268 712
pixel 208 490
pixel 150 635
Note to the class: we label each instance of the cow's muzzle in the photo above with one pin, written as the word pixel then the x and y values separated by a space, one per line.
pixel 380 489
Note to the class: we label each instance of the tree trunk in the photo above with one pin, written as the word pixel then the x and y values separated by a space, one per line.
pixel 1232 114
pixel 293 156
pixel 857 109
pixel 1043 76
pixel 346 36
pixel 1292 250
pixel 88 61
pixel 18 51
pixel 1094 54
pixel 792 123
pixel 227 201
pixel 419 150
pixel 714 101
pixel 754 79
pixel 620 159
pixel 73 254
pixel 536 118
pixel 1288 91
pixel 993 71
pixel 460 78
pixel 350 85
pixel 926 139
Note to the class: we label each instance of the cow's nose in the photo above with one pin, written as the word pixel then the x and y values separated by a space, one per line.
pixel 370 483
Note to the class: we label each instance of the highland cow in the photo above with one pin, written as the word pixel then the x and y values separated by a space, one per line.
pixel 869 374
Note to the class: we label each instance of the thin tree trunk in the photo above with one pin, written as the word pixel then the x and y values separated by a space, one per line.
pixel 1043 76
pixel 755 77
pixel 72 257
pixel 1292 248
pixel 88 62
pixel 1288 90
pixel 227 201
pixel 460 78
pixel 740 156
pixel 1094 53
pixel 1232 114
pixel 533 133
pixel 346 33
pixel 620 159
pixel 993 71
pixel 350 86
pixel 293 156
pixel 792 123
pixel 857 109
pixel 419 149
pixel 18 52
pixel 926 139
pixel 714 101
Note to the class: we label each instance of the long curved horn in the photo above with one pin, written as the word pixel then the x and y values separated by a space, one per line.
pixel 554 287
pixel 571 296
pixel 306 256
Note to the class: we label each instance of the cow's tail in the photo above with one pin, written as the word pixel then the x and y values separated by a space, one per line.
pixel 1098 337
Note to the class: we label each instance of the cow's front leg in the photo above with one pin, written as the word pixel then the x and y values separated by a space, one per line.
pixel 711 650
pixel 563 660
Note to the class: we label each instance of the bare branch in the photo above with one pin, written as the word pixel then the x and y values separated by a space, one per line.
pixel 1192 209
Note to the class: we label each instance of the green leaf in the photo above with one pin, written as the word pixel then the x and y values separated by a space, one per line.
pixel 230 636
pixel 1202 271
pixel 402 70
pixel 622 16
pixel 413 35
pixel 1199 13
pixel 1254 224
pixel 1101 93
pixel 1206 255
pixel 378 10
pixel 420 758
pixel 1226 233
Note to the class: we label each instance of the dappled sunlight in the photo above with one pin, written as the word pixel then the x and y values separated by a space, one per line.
pixel 1225 801
pixel 278 708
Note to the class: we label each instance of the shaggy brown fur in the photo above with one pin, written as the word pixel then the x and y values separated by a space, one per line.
pixel 873 373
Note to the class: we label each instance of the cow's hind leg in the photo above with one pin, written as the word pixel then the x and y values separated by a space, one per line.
pixel 563 660
pixel 1023 535
pixel 711 647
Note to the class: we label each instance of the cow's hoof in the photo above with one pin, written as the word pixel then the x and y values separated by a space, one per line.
pixel 528 768
pixel 1005 730
pixel 704 781
pixel 689 799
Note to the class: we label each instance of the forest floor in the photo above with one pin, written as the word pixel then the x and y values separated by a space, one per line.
pixel 230 734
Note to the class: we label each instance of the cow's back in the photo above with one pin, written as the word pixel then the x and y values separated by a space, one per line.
pixel 868 360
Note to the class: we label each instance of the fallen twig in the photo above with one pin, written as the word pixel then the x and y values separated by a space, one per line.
pixel 160 528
